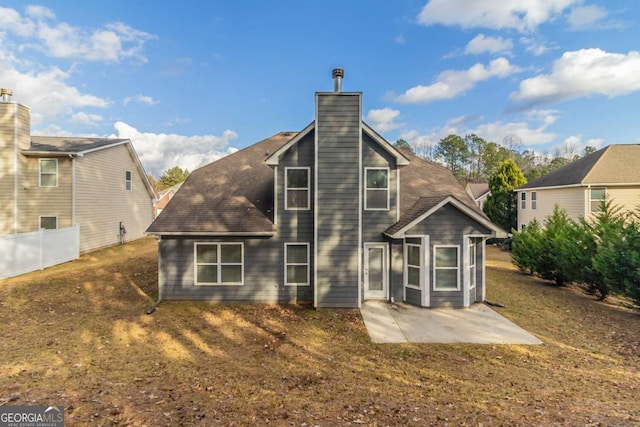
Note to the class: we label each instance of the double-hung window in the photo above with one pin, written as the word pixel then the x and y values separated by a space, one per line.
pixel 376 189
pixel 219 264
pixel 296 264
pixel 534 200
pixel 413 266
pixel 523 200
pixel 596 197
pixel 297 193
pixel 48 173
pixel 128 181
pixel 446 268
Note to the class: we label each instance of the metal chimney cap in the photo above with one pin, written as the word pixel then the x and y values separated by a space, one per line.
pixel 337 72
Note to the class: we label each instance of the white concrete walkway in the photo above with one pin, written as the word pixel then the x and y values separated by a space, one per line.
pixel 478 324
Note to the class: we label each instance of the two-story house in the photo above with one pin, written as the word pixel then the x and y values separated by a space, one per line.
pixel 333 215
pixel 56 182
pixel 611 173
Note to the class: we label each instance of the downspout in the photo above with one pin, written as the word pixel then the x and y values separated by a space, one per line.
pixel 155 306
pixel 73 190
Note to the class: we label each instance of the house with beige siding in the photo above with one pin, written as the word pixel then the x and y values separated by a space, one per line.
pixel 611 173
pixel 332 215
pixel 98 184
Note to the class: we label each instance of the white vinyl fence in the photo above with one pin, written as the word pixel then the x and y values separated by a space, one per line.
pixel 25 252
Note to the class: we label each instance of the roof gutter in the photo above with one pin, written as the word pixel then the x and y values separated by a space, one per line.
pixel 213 233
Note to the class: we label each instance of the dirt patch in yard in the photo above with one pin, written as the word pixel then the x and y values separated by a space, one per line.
pixel 77 335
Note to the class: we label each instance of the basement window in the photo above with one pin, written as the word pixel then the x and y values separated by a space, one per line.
pixel 49 222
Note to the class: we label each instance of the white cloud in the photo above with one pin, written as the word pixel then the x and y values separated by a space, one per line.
pixel 531 130
pixel 400 39
pixel 521 15
pixel 582 73
pixel 585 16
pixel 85 119
pixel 486 44
pixel 382 120
pixel 140 98
pixel 537 47
pixel 111 43
pixel 159 151
pixel 47 92
pixel 452 83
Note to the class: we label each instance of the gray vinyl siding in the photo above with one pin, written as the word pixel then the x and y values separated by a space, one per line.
pixel 263 273
pixel 263 260
pixel 448 226
pixel 374 222
pixel 396 270
pixel 296 225
pixel 414 296
pixel 338 145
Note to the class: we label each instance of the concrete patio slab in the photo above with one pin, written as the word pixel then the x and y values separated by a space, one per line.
pixel 478 324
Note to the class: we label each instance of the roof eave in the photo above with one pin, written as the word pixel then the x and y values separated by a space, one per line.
pixel 400 159
pixel 213 233
pixel 496 231
pixel 274 159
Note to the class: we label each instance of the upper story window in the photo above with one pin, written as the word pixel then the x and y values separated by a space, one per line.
pixel 297 192
pixel 597 196
pixel 376 189
pixel 523 200
pixel 128 181
pixel 48 173
pixel 534 200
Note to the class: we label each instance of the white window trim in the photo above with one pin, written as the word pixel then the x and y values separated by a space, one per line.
pixel 591 211
pixel 47 216
pixel 376 189
pixel 523 200
pixel 286 264
pixel 473 279
pixel 436 268
pixel 219 264
pixel 406 265
pixel 128 181
pixel 48 173
pixel 534 200
pixel 286 188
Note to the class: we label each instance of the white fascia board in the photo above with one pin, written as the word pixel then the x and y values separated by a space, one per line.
pixel 274 159
pixel 384 144
pixel 455 203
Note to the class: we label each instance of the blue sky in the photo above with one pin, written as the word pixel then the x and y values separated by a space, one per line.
pixel 189 82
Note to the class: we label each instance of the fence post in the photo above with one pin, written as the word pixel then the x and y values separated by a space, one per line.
pixel 41 238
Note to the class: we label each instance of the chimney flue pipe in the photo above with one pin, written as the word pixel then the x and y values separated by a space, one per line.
pixel 338 74
pixel 5 94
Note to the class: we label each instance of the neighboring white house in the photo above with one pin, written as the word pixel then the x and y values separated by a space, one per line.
pixel 611 173
pixel 56 182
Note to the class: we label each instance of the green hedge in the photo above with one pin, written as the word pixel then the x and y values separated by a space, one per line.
pixel 602 254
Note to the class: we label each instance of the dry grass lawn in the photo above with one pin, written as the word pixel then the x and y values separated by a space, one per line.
pixel 77 335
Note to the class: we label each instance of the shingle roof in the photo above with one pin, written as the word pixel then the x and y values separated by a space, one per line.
pixel 477 189
pixel 231 195
pixel 614 164
pixel 234 195
pixel 54 144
